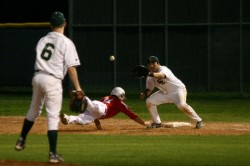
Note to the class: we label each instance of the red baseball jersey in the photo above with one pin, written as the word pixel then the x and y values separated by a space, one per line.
pixel 115 105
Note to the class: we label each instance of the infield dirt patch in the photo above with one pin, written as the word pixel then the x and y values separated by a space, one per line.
pixel 13 124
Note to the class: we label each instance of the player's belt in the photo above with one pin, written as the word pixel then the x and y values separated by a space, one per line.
pixel 43 72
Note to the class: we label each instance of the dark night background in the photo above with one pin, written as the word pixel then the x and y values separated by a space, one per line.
pixel 30 11
pixel 205 42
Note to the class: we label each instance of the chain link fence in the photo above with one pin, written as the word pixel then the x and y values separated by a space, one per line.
pixel 204 42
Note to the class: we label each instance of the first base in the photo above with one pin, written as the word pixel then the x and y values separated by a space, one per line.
pixel 176 124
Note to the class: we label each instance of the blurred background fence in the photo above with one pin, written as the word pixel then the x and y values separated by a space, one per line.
pixel 206 43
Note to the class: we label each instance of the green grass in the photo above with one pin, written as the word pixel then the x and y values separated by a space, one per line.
pixel 218 109
pixel 134 150
pixel 86 149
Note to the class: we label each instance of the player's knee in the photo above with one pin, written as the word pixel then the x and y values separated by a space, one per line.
pixel 31 116
pixel 182 106
pixel 149 100
pixel 149 103
pixel 52 126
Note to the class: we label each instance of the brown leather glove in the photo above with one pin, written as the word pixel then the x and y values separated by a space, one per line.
pixel 78 102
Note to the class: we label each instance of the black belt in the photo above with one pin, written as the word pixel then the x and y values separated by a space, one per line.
pixel 43 72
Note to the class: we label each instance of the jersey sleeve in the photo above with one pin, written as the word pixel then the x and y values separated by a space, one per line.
pixel 71 55
pixel 165 71
pixel 127 111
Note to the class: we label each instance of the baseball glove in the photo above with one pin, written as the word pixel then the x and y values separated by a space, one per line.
pixel 78 102
pixel 140 71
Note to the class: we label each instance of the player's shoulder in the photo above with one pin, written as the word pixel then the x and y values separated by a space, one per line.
pixel 59 36
pixel 114 98
pixel 163 68
pixel 109 98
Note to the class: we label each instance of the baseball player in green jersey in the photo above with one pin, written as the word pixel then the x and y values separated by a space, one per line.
pixel 56 55
pixel 170 90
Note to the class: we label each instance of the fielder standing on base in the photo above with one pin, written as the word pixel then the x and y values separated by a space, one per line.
pixel 56 55
pixel 170 90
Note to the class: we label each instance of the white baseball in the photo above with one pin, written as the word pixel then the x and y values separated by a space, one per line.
pixel 112 58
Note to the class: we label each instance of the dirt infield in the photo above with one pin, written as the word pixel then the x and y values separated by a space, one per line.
pixel 12 125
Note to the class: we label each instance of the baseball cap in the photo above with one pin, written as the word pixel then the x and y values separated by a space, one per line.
pixel 153 59
pixel 57 18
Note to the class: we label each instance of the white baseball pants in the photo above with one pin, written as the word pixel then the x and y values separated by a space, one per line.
pixel 178 98
pixel 95 110
pixel 46 90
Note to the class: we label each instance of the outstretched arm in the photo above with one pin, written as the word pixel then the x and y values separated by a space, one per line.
pixel 98 124
pixel 140 121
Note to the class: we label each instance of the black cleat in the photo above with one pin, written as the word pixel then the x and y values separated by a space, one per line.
pixel 55 158
pixel 199 124
pixel 20 144
pixel 154 125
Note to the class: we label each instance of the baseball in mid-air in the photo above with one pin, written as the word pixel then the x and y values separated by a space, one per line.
pixel 112 58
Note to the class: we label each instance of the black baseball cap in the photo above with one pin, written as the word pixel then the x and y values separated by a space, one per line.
pixel 153 59
pixel 57 19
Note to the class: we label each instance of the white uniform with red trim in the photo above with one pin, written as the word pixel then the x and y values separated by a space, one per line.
pixel 54 54
pixel 171 90
pixel 107 107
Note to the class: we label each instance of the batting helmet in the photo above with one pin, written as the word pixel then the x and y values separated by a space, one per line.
pixel 57 19
pixel 119 92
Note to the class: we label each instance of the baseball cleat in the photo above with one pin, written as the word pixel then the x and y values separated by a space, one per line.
pixel 154 125
pixel 64 118
pixel 20 144
pixel 55 158
pixel 199 124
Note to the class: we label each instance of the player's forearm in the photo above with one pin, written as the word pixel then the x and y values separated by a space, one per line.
pixel 140 121
pixel 98 124
pixel 157 75
pixel 74 78
pixel 145 94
